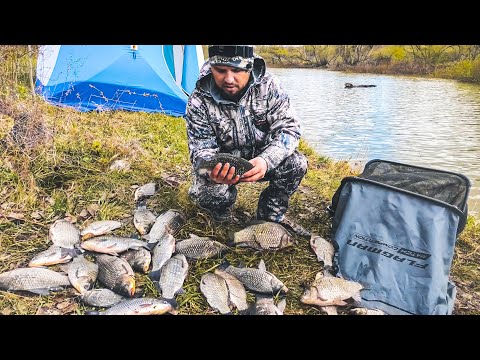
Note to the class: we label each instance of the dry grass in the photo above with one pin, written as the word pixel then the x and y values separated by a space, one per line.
pixel 70 176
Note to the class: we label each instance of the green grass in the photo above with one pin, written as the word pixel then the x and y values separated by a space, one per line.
pixel 70 176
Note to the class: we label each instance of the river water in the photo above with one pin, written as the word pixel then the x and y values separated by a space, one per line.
pixel 433 123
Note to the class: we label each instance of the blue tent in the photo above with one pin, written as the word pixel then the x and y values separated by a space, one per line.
pixel 150 78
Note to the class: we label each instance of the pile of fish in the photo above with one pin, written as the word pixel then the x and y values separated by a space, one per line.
pixel 101 266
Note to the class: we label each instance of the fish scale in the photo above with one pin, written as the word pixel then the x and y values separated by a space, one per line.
pixel 172 276
pixel 214 288
pixel 101 297
pixel 200 248
pixel 330 288
pixel 263 235
pixel 161 253
pixel 258 280
pixel 116 274
pixel 82 274
pixel 236 290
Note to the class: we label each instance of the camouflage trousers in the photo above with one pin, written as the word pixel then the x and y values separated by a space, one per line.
pixel 273 202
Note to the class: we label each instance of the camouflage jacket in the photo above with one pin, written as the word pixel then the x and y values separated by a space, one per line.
pixel 262 123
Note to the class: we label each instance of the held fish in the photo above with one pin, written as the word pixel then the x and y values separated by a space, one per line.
pixel 241 165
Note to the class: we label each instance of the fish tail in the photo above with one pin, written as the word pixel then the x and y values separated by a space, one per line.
pixel 224 265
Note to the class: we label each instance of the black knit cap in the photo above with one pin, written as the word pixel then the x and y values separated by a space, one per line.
pixel 238 56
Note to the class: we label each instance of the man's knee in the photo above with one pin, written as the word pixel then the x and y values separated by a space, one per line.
pixel 296 165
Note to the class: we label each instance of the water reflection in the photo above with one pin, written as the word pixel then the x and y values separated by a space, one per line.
pixel 426 122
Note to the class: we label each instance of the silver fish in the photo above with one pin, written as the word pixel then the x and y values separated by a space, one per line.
pixel 161 253
pixel 98 228
pixel 64 234
pixel 169 222
pixel 145 191
pixel 366 311
pixel 53 255
pixel 143 219
pixel 265 305
pixel 323 249
pixel 200 247
pixel 172 276
pixel 241 165
pixel 141 306
pixel 258 280
pixel 330 290
pixel 215 290
pixel 236 290
pixel 82 274
pixel 101 298
pixel 116 274
pixel 36 280
pixel 263 235
pixel 139 259
pixel 112 245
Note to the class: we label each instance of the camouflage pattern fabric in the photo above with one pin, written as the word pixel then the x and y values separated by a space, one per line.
pixel 261 123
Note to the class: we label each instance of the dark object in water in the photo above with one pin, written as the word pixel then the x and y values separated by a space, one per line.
pixel 349 86
pixel 241 165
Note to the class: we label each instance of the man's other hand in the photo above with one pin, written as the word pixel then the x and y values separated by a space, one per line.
pixel 257 172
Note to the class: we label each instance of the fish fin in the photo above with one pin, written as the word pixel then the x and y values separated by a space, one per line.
pixel 261 265
pixel 154 275
pixel 281 305
pixel 157 286
pixel 231 238
pixel 150 246
pixel 255 222
pixel 180 291
pixel 224 265
pixel 92 312
pixel 64 267
pixel 172 302
pixel 357 299
pixel 327 271
pixel 40 291
pixel 319 275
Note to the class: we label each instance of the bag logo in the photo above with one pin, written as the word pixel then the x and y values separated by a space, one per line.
pixel 387 250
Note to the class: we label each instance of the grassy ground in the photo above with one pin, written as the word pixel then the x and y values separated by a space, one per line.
pixel 70 176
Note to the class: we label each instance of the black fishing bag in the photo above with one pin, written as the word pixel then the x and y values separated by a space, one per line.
pixel 394 229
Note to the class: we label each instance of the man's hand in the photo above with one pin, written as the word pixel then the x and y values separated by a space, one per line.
pixel 257 172
pixel 224 174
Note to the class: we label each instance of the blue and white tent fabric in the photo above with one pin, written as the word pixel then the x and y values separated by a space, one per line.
pixel 150 78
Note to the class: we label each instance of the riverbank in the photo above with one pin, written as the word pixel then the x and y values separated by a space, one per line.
pixel 71 176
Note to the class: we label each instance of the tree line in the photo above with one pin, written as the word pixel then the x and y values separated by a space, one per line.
pixel 461 62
